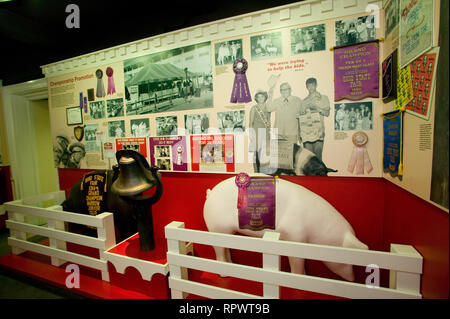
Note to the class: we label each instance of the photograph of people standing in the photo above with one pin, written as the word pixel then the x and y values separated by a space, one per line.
pixel 312 110
pixel 259 134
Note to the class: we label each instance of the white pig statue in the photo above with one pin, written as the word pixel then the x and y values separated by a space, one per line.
pixel 301 216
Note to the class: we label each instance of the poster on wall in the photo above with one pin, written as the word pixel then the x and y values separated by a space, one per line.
pixel 416 29
pixel 393 143
pixel 356 72
pixel 389 77
pixel 169 153
pixel 392 15
pixel 138 144
pixel 212 153
pixel 172 80
pixel 423 73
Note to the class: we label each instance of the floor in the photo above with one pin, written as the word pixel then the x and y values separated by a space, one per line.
pixel 14 286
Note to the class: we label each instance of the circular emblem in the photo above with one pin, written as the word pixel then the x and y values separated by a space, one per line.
pixel 109 71
pixel 242 180
pixel 99 74
pixel 360 138
pixel 240 65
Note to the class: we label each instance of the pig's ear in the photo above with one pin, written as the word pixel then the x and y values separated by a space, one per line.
pixel 331 170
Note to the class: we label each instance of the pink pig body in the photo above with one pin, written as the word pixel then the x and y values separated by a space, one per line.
pixel 301 216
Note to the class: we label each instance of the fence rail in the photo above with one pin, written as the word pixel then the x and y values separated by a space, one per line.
pixel 56 231
pixel 404 263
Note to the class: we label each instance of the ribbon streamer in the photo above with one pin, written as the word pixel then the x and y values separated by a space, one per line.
pixel 242 182
pixel 100 86
pixel 360 156
pixel 241 91
pixel 111 86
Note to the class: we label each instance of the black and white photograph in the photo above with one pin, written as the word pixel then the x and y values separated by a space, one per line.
pixel 114 107
pixel 116 129
pixel 90 138
pixel 134 147
pixel 162 151
pixel 267 45
pixel 355 30
pixel 231 121
pixel 391 16
pixel 228 51
pixel 355 116
pixel 140 127
pixel 97 110
pixel 164 164
pixel 196 123
pixel 172 80
pixel 308 39
pixel 166 125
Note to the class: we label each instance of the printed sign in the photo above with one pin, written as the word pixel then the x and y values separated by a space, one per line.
pixel 356 72
pixel 212 153
pixel 93 188
pixel 169 153
pixel 260 211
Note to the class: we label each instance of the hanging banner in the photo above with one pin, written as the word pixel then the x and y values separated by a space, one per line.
pixel 93 188
pixel 169 153
pixel 404 87
pixel 389 79
pixel 212 153
pixel 423 73
pixel 356 72
pixel 393 143
pixel 416 29
pixel 259 212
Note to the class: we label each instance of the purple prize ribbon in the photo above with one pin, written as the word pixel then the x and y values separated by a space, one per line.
pixel 85 104
pixel 242 182
pixel 241 91
pixel 81 101
pixel 111 86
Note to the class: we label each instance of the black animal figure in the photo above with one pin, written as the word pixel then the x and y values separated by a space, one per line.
pixel 124 209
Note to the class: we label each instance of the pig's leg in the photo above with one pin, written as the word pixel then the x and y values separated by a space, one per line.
pixel 297 265
pixel 345 270
pixel 222 254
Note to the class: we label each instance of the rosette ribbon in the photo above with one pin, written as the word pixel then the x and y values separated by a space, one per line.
pixel 100 86
pixel 360 156
pixel 111 86
pixel 240 92
pixel 242 182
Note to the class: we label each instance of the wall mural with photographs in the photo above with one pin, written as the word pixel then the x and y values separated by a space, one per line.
pixel 288 124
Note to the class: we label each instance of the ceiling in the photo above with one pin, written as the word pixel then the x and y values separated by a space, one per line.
pixel 34 33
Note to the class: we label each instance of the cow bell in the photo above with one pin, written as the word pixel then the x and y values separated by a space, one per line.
pixel 133 178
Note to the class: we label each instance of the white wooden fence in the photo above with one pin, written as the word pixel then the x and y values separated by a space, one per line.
pixel 56 231
pixel 404 263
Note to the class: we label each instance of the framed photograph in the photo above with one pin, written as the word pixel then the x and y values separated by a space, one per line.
pixel 74 115
pixel 267 45
pixel 228 51
pixel 357 116
pixel 97 110
pixel 140 127
pixel 308 39
pixel 355 30
pixel 173 80
pixel 116 129
pixel 114 107
pixel 231 121
pixel 392 16
pixel 196 123
pixel 166 125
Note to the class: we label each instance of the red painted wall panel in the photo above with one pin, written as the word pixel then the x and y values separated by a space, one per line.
pixel 380 213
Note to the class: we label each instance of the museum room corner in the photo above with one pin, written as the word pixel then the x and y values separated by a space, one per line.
pixel 296 150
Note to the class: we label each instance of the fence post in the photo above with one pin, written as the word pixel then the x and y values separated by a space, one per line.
pixel 107 233
pixel 177 272
pixel 405 281
pixel 54 243
pixel 16 233
pixel 271 262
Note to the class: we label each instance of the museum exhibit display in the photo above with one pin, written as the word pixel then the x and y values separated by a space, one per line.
pixel 301 149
